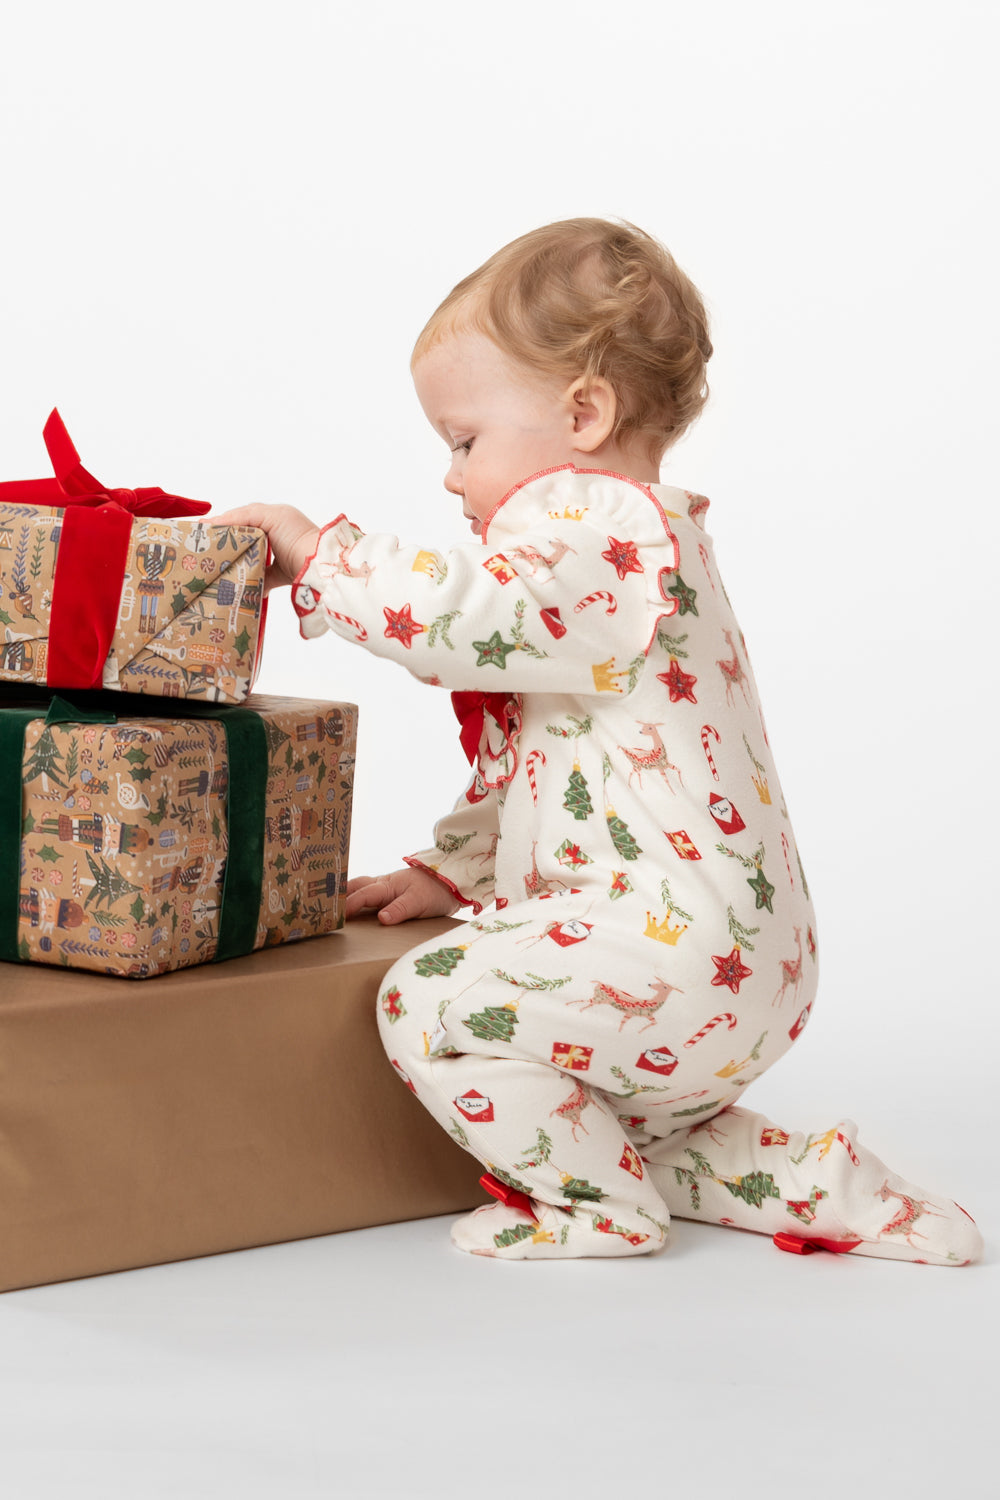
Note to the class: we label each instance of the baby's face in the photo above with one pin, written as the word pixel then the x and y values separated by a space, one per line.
pixel 501 421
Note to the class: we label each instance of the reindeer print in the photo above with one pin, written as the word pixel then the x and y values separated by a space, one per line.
pixel 655 759
pixel 632 1007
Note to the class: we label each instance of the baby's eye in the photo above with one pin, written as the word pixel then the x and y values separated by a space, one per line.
pixel 465 447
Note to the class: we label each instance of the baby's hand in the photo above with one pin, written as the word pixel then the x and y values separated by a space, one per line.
pixel 292 535
pixel 401 896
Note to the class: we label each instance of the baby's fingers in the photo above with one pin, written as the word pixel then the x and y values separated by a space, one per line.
pixel 364 894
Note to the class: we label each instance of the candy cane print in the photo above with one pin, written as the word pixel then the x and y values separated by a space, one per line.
pixel 360 633
pixel 612 602
pixel 706 730
pixel 529 766
pixel 704 557
pixel 710 1025
pixel 784 850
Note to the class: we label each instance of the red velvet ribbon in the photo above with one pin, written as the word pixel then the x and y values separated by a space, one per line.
pixel 92 555
pixel 470 710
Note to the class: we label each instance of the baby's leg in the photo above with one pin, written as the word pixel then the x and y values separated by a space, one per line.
pixel 808 1191
pixel 487 1030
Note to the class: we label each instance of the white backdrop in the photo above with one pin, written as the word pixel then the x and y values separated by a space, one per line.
pixel 224 223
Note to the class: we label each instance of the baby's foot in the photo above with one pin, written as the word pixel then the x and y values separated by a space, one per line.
pixel 523 1229
pixel 886 1216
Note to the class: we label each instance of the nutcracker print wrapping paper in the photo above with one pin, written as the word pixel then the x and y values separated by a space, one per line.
pixel 127 590
pixel 151 841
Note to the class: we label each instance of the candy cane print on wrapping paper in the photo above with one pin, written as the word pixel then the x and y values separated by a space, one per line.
pixel 600 595
pixel 706 731
pixel 529 766
pixel 726 1016
pixel 360 633
pixel 784 850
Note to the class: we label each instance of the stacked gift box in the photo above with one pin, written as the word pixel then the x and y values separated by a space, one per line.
pixel 155 818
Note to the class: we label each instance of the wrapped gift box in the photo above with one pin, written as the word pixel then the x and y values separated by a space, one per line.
pixel 129 590
pixel 142 838
pixel 214 1110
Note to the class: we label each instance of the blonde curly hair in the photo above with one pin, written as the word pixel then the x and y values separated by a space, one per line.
pixel 593 298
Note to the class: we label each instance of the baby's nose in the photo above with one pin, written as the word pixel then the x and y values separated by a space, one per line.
pixel 453 483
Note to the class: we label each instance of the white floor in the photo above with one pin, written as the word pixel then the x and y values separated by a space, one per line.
pixel 384 1363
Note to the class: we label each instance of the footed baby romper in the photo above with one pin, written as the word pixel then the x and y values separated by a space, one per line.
pixel 650 945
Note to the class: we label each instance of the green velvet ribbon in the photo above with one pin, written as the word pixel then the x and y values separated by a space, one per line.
pixel 247 755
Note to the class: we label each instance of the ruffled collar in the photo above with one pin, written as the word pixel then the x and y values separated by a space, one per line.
pixel 642 511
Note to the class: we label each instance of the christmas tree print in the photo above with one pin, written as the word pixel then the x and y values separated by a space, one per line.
pixel 275 737
pixel 459 1134
pixel 440 962
pixel 620 836
pixel 108 886
pixel 494 1024
pixel 44 759
pixel 577 797
pixel 579 1190
pixel 752 1189
pixel 515 1234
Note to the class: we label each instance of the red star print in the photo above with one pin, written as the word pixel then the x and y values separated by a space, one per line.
pixel 402 626
pixel 730 970
pixel 622 557
pixel 678 681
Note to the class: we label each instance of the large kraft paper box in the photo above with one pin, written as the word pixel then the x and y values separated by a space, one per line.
pixel 217 1109
pixel 155 837
pixel 125 590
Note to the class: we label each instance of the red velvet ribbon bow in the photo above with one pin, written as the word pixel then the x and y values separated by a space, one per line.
pixel 470 710
pixel 91 557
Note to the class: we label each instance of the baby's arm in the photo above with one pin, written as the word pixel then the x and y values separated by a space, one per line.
pixel 564 607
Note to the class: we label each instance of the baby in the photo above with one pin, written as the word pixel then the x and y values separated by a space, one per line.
pixel 642 944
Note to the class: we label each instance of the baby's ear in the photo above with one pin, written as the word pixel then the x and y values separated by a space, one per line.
pixel 595 407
